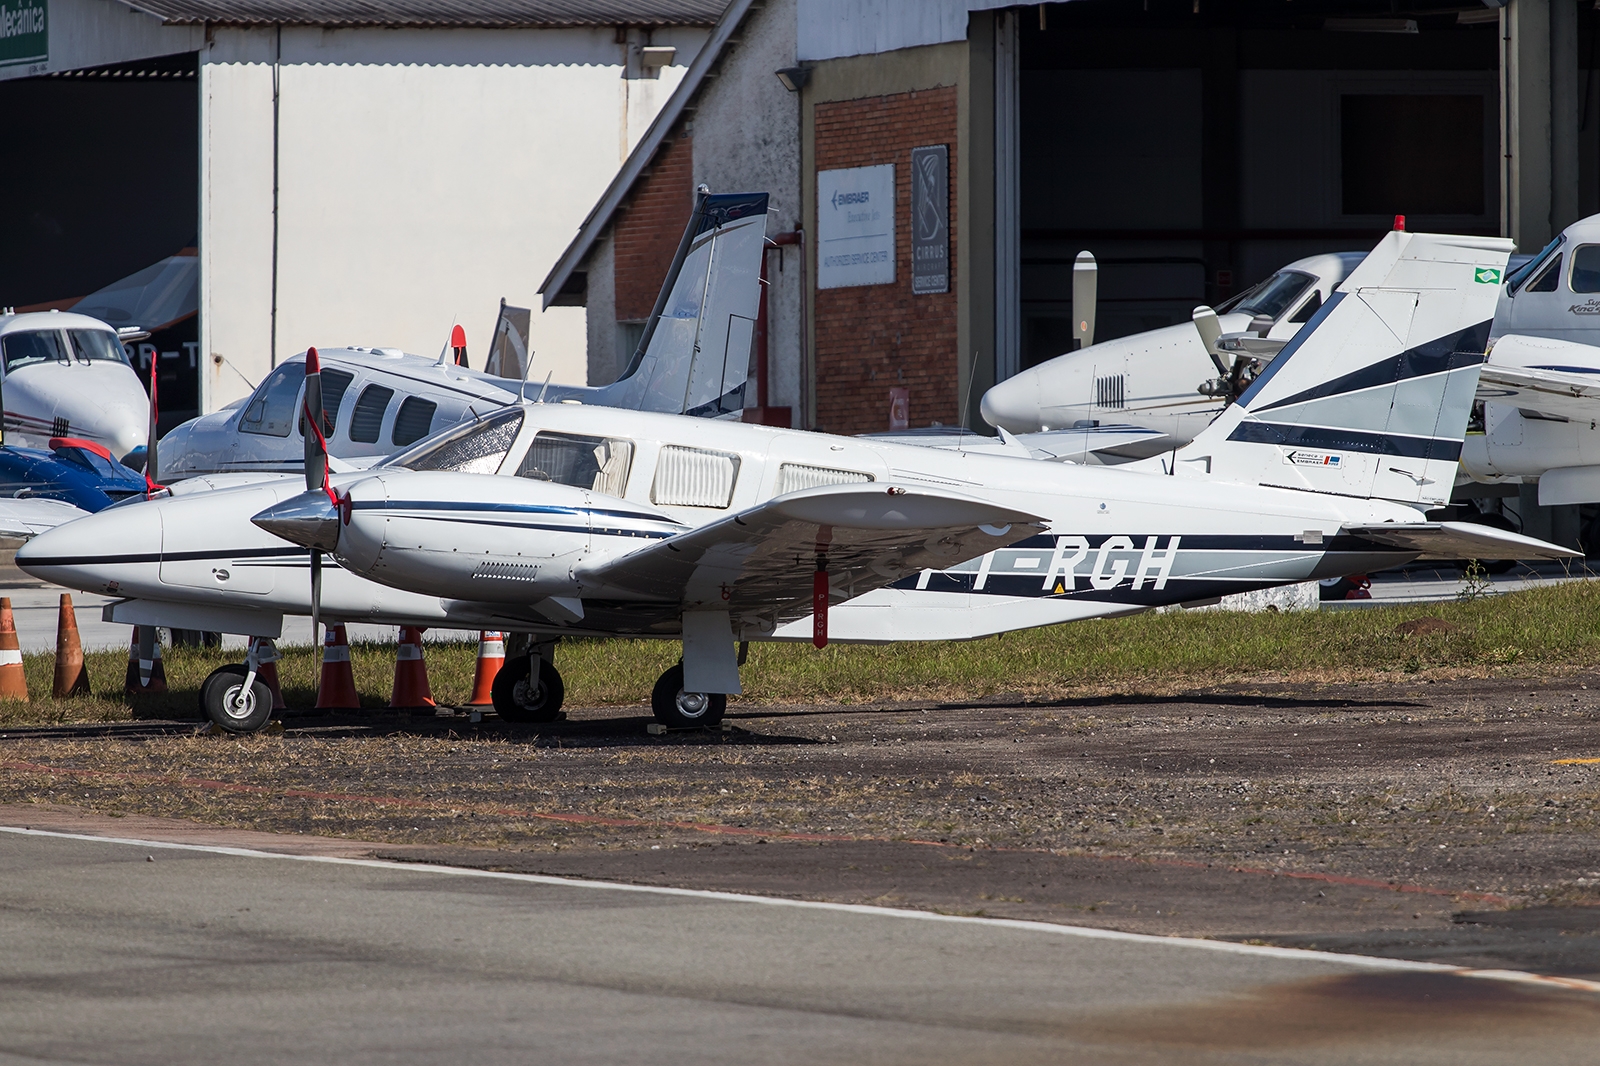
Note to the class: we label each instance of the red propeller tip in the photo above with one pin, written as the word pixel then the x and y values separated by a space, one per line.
pixel 458 337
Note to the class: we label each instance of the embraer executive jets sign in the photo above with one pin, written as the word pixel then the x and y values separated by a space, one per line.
pixel 24 36
pixel 855 227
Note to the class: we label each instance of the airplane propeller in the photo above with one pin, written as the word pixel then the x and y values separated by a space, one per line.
pixel 1085 282
pixel 151 471
pixel 316 473
pixel 1231 380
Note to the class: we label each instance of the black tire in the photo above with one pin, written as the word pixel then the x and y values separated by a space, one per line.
pixel 224 702
pixel 517 701
pixel 678 709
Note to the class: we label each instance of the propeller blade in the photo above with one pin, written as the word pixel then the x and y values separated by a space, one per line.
pixel 152 469
pixel 1210 330
pixel 311 428
pixel 316 598
pixel 1085 286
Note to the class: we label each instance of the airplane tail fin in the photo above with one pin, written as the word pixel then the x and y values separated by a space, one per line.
pixel 694 356
pixel 1371 397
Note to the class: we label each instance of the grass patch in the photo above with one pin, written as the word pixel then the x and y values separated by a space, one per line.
pixel 1542 630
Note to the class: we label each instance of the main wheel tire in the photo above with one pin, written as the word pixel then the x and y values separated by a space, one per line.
pixel 515 700
pixel 678 709
pixel 225 702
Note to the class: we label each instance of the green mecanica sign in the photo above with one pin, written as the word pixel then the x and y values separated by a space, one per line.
pixel 24 35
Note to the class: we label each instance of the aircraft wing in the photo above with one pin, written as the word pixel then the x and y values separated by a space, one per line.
pixel 1560 378
pixel 30 516
pixel 764 559
pixel 1460 540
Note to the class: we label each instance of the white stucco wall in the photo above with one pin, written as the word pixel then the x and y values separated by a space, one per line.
pixel 423 176
pixel 747 138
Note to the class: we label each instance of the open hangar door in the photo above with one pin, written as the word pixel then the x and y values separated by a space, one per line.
pixel 102 183
pixel 1196 147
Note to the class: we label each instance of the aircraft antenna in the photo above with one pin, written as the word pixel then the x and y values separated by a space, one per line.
pixel 543 388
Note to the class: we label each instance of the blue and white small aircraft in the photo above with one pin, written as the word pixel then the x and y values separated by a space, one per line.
pixel 570 519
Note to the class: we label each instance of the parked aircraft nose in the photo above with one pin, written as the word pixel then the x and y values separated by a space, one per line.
pixel 309 519
pixel 112 551
pixel 1014 404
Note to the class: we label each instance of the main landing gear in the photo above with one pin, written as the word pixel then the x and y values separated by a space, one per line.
pixel 679 709
pixel 526 698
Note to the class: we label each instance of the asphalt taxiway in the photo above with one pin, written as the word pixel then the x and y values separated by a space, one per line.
pixel 132 951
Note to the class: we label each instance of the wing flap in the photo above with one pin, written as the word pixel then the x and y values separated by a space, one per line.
pixel 762 560
pixel 1460 540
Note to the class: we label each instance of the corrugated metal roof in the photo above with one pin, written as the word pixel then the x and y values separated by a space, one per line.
pixel 437 12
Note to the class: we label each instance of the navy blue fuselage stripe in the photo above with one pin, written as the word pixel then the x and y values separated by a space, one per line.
pixel 1347 440
pixel 1289 349
pixel 499 508
pixel 1462 348
pixel 1569 369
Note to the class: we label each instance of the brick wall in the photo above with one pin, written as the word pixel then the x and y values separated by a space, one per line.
pixel 872 338
pixel 646 235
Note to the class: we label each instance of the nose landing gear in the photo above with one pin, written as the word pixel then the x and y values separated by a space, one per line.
pixel 679 709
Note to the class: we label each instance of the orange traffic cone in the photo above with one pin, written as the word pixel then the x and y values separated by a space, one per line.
pixel 410 672
pixel 145 677
pixel 267 669
pixel 72 676
pixel 491 656
pixel 13 681
pixel 337 689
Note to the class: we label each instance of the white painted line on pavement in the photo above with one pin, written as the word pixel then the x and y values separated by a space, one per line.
pixel 1085 932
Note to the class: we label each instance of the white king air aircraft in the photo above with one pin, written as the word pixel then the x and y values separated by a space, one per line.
pixel 694 358
pixel 67 375
pixel 569 519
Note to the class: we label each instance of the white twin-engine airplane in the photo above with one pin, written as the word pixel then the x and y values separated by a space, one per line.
pixel 554 519
pixel 67 375
pixel 693 359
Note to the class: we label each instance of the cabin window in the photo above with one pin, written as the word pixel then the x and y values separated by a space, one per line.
pixel 792 477
pixel 477 447
pixel 26 349
pixel 413 421
pixel 1309 308
pixel 367 419
pixel 694 477
pixel 599 464
pixel 96 346
pixel 1271 297
pixel 271 412
pixel 1549 277
pixel 1586 268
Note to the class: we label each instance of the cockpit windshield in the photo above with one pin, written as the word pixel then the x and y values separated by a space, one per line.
pixel 26 349
pixel 1515 279
pixel 1271 297
pixel 96 346
pixel 477 447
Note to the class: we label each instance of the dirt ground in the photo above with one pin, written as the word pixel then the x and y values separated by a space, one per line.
pixel 1453 821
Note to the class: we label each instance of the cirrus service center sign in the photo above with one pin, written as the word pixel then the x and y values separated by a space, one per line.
pixel 24 35
pixel 855 227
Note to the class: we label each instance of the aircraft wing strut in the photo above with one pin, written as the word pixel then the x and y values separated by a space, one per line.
pixel 764 559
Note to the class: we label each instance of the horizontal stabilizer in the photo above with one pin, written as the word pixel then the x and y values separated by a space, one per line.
pixel 1460 540
pixel 762 560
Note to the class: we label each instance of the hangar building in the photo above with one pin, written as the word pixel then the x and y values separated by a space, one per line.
pixel 944 161
pixel 347 171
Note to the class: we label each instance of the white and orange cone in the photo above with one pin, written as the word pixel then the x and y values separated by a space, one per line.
pixel 491 657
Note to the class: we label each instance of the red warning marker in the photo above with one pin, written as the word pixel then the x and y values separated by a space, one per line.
pixel 1400 223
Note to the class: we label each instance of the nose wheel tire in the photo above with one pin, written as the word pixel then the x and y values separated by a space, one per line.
pixel 229 705
pixel 518 700
pixel 679 709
